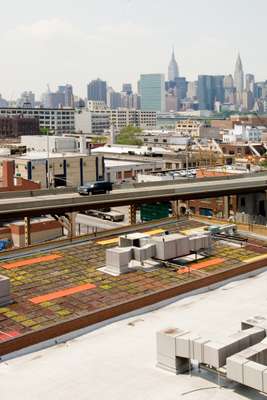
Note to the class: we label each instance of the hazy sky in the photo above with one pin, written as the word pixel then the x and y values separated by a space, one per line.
pixel 74 41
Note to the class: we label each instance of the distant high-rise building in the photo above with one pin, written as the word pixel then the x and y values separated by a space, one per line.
pixel 127 88
pixel 3 102
pixel 173 70
pixel 228 82
pixel 67 92
pixel 53 100
pixel 261 90
pixel 210 90
pixel 181 87
pixel 138 88
pixel 135 101
pixel 229 89
pixel 206 93
pixel 250 83
pixel 248 100
pixel 206 96
pixel 63 97
pixel 219 88
pixel 171 102
pixel 191 90
pixel 97 90
pixel 115 100
pixel 239 80
pixel 27 99
pixel 170 86
pixel 152 92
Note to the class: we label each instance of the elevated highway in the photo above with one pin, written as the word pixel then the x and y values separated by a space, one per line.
pixel 71 202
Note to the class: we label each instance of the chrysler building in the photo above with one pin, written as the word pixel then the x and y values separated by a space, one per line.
pixel 173 70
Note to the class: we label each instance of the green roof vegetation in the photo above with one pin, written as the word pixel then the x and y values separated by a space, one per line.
pixel 128 136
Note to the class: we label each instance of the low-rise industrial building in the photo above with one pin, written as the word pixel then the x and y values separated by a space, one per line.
pixel 88 121
pixel 242 133
pixel 120 171
pixel 98 120
pixel 171 160
pixel 197 129
pixel 42 229
pixel 164 138
pixel 11 183
pixel 59 169
pixel 15 126
pixel 56 120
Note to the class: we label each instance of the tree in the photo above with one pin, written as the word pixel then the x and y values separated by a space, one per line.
pixel 263 163
pixel 44 131
pixel 127 136
pixel 99 140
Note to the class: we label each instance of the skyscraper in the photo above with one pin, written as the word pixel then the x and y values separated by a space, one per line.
pixel 210 89
pixel 173 70
pixel 53 99
pixel 206 92
pixel 27 99
pixel 97 90
pixel 219 88
pixel 67 91
pixel 152 90
pixel 229 89
pixel 115 100
pixel 239 80
pixel 250 83
pixel 192 90
pixel 181 90
pixel 127 88
pixel 181 87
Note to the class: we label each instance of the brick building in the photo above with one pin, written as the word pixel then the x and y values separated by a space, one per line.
pixel 9 183
pixel 16 126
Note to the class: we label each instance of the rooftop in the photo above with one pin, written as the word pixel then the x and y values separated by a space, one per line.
pixel 119 359
pixel 43 155
pixel 119 163
pixel 50 288
pixel 125 149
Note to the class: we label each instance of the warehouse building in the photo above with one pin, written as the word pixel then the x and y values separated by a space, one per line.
pixel 58 169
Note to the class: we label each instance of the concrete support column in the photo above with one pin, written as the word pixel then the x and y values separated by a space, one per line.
pixel 132 214
pixel 27 231
pixel 175 209
pixel 226 207
pixel 71 224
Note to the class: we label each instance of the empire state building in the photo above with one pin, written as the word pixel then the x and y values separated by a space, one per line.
pixel 173 70
pixel 239 80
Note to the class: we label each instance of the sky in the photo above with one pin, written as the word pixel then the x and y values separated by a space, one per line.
pixel 74 41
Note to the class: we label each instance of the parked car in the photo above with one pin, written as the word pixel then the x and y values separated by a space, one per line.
pixel 110 215
pixel 99 187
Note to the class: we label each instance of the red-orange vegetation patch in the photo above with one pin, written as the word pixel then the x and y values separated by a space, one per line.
pixel 201 265
pixel 8 335
pixel 62 293
pixel 31 261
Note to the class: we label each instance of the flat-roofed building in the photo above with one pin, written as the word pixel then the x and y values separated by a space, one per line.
pixel 56 120
pixel 152 90
pixel 197 129
pixel 15 126
pixel 127 170
pixel 59 169
pixel 100 120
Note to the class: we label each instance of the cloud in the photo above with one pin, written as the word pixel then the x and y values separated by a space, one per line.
pixel 45 29
pixel 128 29
pixel 55 50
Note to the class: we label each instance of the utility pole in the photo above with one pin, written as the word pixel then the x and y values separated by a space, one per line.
pixel 187 149
pixel 48 159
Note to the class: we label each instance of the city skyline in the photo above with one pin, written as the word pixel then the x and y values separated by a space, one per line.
pixel 169 68
pixel 53 44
